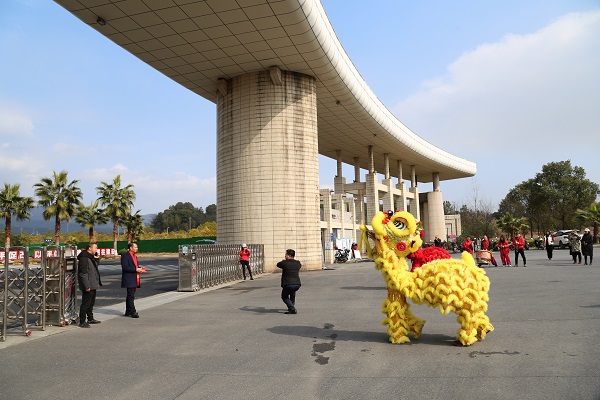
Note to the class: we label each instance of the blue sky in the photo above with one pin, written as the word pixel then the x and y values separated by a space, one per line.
pixel 510 85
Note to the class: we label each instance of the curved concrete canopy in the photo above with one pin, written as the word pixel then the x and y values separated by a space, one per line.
pixel 196 43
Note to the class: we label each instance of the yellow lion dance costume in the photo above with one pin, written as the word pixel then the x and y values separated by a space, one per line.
pixel 451 284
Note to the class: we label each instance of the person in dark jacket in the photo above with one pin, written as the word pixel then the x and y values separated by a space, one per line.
pixel 587 245
pixel 290 280
pixel 130 278
pixel 89 281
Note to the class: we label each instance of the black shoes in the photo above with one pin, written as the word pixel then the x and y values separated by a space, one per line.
pixel 93 321
pixel 135 315
pixel 84 325
pixel 291 312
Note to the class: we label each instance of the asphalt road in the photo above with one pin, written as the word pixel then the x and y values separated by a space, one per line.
pixel 234 342
pixel 162 276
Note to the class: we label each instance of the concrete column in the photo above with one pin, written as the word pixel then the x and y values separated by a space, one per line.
pixel 268 165
pixel 356 170
pixel 401 201
pixel 400 178
pixel 328 254
pixel 372 194
pixel 339 182
pixel 386 161
pixel 388 198
pixel 436 181
pixel 414 203
pixel 435 222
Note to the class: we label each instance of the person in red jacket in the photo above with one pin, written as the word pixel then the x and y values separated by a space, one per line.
pixel 468 245
pixel 504 248
pixel 485 245
pixel 245 261
pixel 519 243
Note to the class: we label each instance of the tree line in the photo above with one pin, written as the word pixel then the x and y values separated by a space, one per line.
pixel 558 197
pixel 61 200
pixel 183 217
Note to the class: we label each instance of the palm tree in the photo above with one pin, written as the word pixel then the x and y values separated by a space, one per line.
pixel 590 216
pixel 511 225
pixel 118 201
pixel 134 226
pixel 11 202
pixel 90 216
pixel 59 197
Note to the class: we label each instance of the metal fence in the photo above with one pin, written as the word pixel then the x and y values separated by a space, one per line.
pixel 37 288
pixel 205 265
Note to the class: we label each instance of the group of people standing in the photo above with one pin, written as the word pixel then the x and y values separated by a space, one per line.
pixel 518 243
pixel 578 245
pixel 581 245
pixel 89 281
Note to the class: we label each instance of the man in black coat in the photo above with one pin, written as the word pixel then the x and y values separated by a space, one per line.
pixel 290 280
pixel 130 279
pixel 89 281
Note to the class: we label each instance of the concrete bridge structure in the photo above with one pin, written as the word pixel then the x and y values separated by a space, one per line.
pixel 285 91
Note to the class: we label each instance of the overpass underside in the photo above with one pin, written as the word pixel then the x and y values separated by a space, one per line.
pixel 285 91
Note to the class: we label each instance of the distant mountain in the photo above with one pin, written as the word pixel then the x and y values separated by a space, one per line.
pixel 37 225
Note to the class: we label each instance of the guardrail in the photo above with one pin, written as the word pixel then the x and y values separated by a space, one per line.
pixel 205 265
pixel 37 288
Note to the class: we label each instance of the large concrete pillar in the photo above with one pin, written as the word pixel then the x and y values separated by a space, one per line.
pixel 268 165
pixel 436 221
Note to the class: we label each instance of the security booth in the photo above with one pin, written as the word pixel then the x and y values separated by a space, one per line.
pixel 205 265
pixel 188 269
pixel 61 284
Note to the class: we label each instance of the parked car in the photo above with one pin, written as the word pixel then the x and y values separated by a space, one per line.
pixel 561 238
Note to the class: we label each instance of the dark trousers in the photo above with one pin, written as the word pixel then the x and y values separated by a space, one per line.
pixel 576 255
pixel 246 264
pixel 522 253
pixel 129 301
pixel 288 295
pixel 585 256
pixel 549 249
pixel 87 305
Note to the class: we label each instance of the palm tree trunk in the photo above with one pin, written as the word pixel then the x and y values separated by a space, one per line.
pixel 115 227
pixel 57 230
pixel 7 230
pixel 91 233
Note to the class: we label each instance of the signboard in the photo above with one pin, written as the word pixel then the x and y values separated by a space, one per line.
pixel 13 255
pixel 331 237
pixel 451 236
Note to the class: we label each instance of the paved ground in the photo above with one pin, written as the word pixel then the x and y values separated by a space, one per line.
pixel 235 342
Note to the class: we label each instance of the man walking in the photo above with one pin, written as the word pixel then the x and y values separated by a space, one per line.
pixel 89 282
pixel 290 280
pixel 130 279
